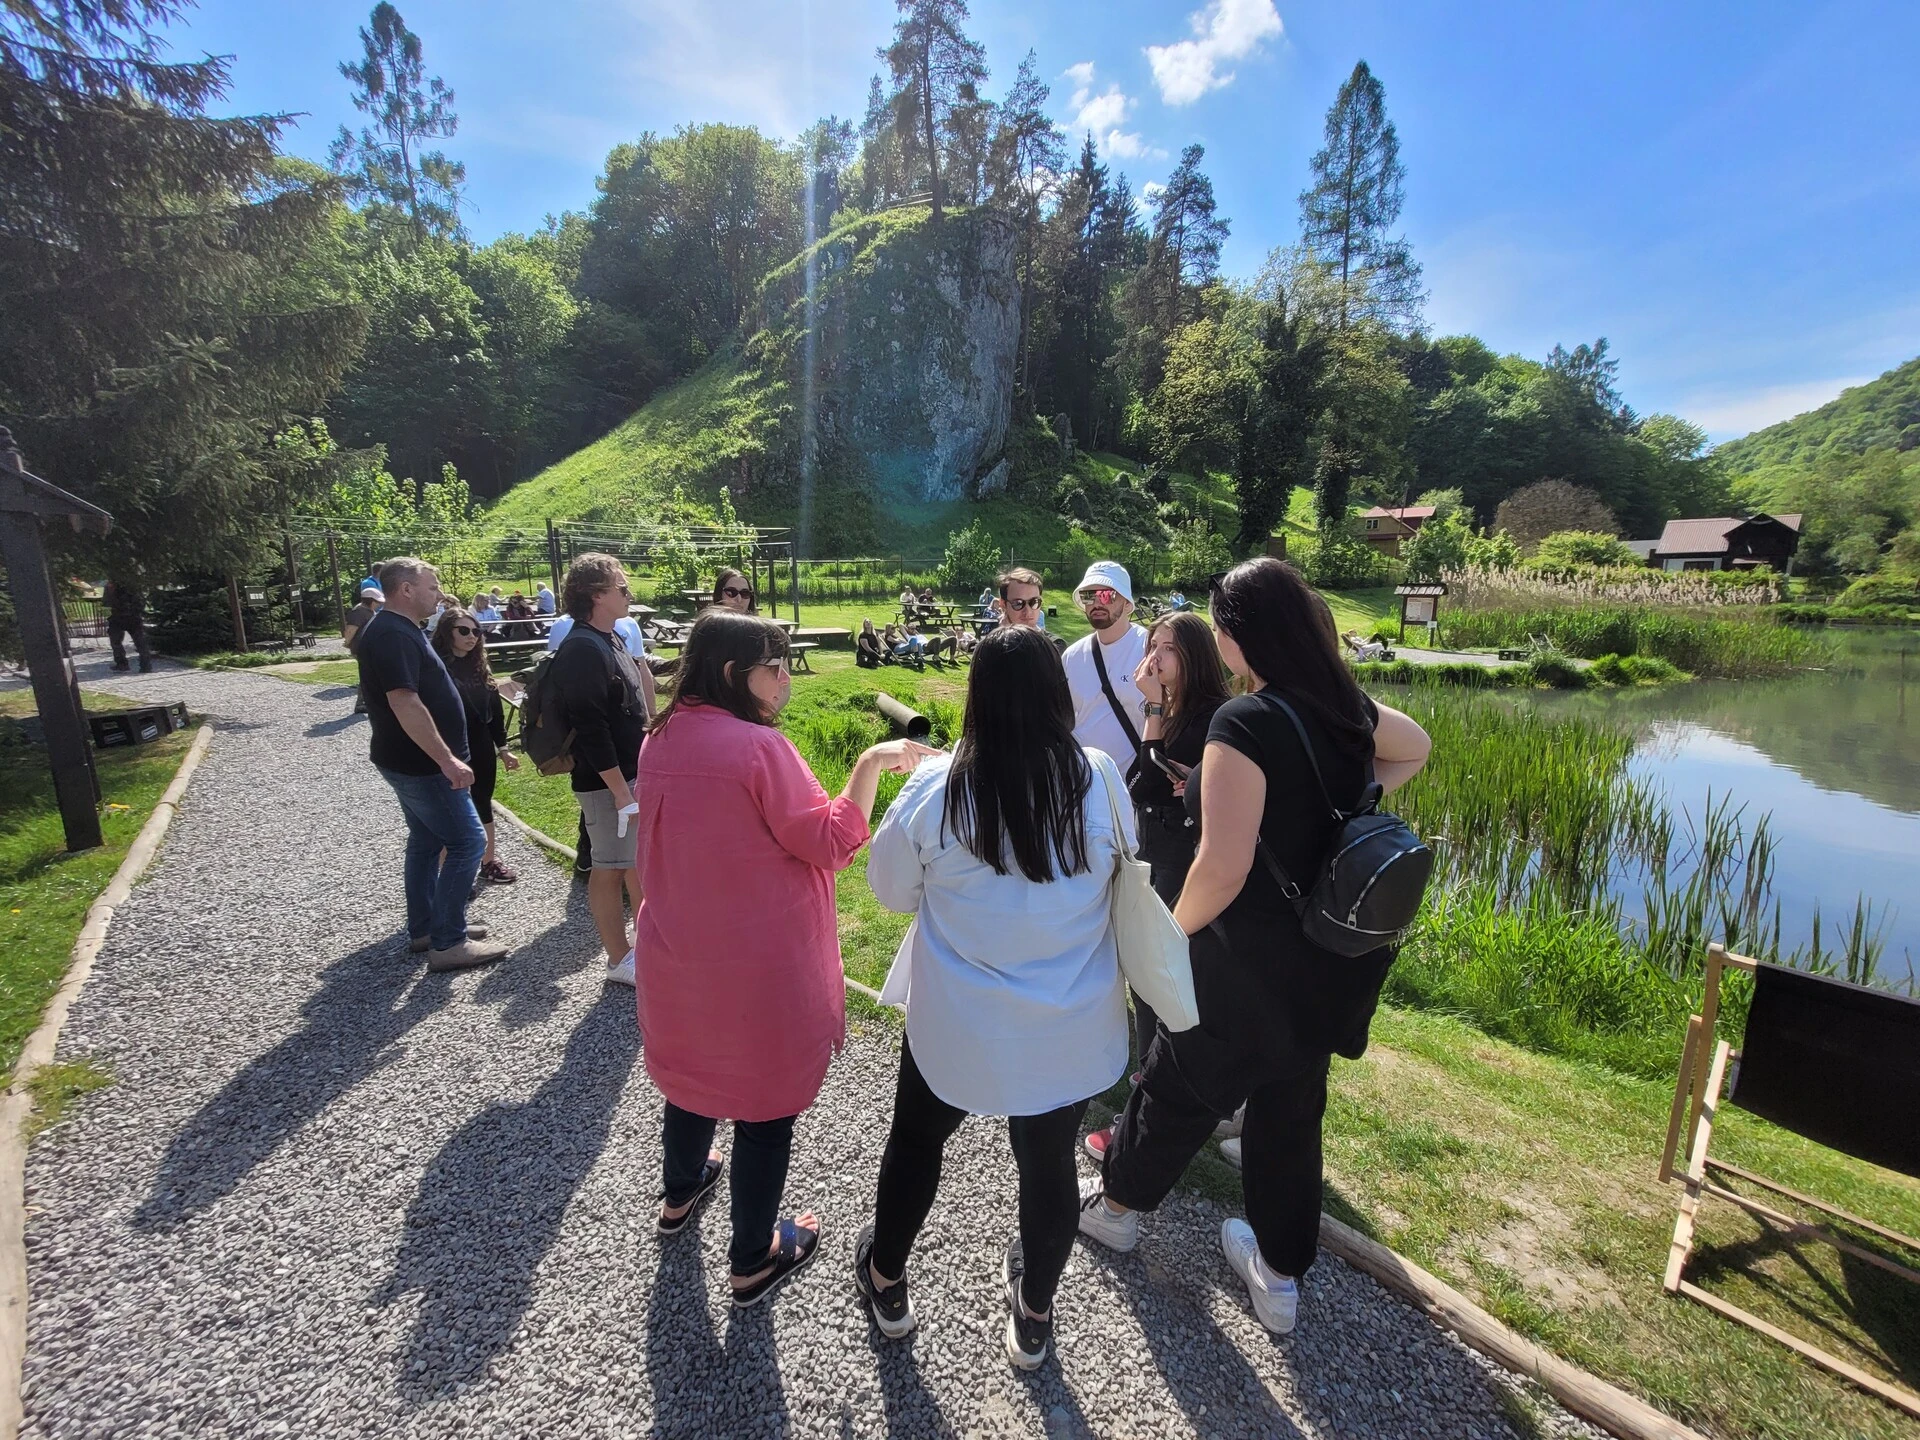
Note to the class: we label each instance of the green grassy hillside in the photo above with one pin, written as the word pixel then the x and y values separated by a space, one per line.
pixel 1883 414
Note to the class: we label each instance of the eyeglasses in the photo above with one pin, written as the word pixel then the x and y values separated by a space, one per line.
pixel 1102 596
pixel 624 591
pixel 1033 604
pixel 776 663
pixel 1216 580
pixel 734 592
pixel 465 630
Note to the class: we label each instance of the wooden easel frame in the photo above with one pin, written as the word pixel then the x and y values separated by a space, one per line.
pixel 1703 1072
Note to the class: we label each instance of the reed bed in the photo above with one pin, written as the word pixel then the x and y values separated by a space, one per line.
pixel 1572 905
pixel 1706 644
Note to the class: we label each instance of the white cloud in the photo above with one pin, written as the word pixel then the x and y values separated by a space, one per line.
pixel 1225 31
pixel 1101 115
pixel 1151 190
pixel 1727 414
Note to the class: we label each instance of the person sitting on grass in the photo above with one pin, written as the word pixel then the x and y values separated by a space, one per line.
pixel 867 653
pixel 741 994
pixel 463 650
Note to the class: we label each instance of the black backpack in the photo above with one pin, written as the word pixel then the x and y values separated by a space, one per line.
pixel 1376 871
pixel 544 733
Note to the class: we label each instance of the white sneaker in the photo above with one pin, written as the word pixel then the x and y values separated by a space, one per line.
pixel 1227 1129
pixel 1230 1151
pixel 1276 1298
pixel 621 974
pixel 1097 1222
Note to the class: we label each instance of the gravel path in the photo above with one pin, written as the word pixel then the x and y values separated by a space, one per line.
pixel 330 1194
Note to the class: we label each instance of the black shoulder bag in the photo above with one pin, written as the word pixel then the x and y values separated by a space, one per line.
pixel 1376 870
pixel 1119 710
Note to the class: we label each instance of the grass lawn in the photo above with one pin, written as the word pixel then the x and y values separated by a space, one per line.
pixel 44 891
pixel 1525 1180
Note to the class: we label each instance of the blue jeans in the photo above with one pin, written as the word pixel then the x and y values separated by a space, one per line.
pixel 438 817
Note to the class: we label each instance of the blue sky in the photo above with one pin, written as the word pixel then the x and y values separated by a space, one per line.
pixel 1729 192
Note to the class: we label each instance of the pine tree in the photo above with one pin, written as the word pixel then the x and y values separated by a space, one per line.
pixel 1354 201
pixel 932 61
pixel 170 285
pixel 1187 234
pixel 1028 153
pixel 385 161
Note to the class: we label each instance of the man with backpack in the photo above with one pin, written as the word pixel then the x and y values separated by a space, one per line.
pixel 600 695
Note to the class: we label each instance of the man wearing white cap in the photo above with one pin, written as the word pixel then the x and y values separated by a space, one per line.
pixel 1106 702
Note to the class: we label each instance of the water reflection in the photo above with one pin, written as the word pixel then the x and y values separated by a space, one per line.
pixel 1834 757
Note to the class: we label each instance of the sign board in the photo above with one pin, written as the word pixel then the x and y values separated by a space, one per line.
pixel 1420 609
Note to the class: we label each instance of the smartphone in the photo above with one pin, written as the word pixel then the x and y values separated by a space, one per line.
pixel 1175 770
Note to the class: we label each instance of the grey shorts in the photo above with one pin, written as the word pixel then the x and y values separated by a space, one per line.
pixel 611 851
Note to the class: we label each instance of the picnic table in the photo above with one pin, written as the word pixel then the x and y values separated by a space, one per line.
pixel 639 611
pixel 503 652
pixel 936 614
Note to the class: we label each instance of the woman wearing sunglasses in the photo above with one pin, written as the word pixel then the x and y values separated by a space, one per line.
pixel 459 643
pixel 733 591
pixel 741 995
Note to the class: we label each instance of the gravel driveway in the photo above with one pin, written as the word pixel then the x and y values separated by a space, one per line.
pixel 330 1194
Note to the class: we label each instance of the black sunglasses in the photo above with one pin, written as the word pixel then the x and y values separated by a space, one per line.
pixel 1216 580
pixel 733 592
pixel 465 630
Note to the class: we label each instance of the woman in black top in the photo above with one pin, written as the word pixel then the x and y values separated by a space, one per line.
pixel 1274 1008
pixel 1184 683
pixel 459 643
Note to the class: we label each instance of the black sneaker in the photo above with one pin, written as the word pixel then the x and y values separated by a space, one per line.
pixel 1027 1338
pixel 892 1310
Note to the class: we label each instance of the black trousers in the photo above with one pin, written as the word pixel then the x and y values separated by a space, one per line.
pixel 583 846
pixel 757 1174
pixel 117 633
pixel 910 1177
pixel 1165 1124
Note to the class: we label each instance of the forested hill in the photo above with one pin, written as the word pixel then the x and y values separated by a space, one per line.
pixel 1883 414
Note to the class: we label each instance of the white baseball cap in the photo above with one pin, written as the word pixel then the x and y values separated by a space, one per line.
pixel 1109 573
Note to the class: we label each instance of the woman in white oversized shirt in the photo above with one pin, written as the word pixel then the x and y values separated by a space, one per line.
pixel 1004 852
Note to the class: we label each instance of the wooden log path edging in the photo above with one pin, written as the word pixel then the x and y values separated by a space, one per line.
pixel 1587 1396
pixel 39 1051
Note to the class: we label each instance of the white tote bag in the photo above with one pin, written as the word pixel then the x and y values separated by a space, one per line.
pixel 1153 947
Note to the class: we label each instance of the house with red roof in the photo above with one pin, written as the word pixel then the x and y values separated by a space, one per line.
pixel 1387 528
pixel 1725 542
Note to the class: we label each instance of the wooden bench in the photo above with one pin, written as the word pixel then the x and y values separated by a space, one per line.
pixel 826 636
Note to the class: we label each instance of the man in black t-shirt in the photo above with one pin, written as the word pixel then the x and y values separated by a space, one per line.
pixel 605 695
pixel 419 746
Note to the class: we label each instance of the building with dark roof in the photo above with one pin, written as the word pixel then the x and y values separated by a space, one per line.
pixel 1726 542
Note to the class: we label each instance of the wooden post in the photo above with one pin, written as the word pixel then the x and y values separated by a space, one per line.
pixel 793 577
pixel 553 559
pixel 239 616
pixel 42 638
pixel 294 602
pixel 333 567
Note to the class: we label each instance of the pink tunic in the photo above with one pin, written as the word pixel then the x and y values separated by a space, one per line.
pixel 736 946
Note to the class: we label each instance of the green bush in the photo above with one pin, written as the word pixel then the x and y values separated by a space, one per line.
pixel 972 560
pixel 1567 548
pixel 1650 670
pixel 1338 559
pixel 1610 669
pixel 1197 553
pixel 1554 669
pixel 1881 590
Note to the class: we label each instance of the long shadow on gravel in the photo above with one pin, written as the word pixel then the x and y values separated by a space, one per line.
pixel 1172 1315
pixel 367 1001
pixel 491 1203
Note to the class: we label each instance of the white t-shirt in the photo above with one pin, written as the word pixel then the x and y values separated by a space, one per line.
pixel 626 627
pixel 1094 723
pixel 1013 992
pixel 543 601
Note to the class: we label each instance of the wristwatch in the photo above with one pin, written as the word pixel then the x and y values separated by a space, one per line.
pixel 1151 708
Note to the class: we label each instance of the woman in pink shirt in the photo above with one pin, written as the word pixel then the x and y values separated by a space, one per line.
pixel 737 952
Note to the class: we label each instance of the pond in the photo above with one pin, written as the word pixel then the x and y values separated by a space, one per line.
pixel 1833 757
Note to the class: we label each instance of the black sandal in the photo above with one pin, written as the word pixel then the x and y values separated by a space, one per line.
pixel 798 1245
pixel 709 1177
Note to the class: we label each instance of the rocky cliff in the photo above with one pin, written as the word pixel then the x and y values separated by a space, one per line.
pixel 896 342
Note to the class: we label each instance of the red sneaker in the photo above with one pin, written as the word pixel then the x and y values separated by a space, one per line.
pixel 1097 1143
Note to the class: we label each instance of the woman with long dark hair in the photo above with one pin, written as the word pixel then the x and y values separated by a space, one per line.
pixel 1184 682
pixel 1004 852
pixel 1274 1008
pixel 733 591
pixel 740 990
pixel 463 648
